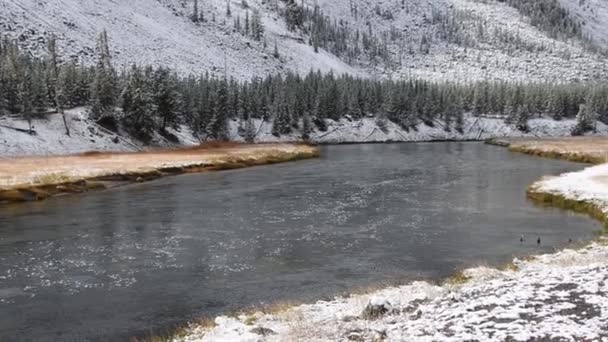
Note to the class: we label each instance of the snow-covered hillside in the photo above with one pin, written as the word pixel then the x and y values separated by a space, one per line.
pixel 594 15
pixel 160 33
pixel 498 42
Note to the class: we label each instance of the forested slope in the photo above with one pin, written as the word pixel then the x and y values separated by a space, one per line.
pixel 440 39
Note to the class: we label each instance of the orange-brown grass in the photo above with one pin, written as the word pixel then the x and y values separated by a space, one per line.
pixel 58 173
pixel 591 150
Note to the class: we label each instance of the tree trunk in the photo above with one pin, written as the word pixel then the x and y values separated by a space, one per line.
pixel 65 123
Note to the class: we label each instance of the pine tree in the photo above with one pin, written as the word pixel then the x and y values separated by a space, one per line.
pixel 39 89
pixel 166 98
pixel 218 127
pixel 250 130
pixel 52 71
pixel 459 110
pixel 138 104
pixel 523 115
pixel 586 118
pixel 276 54
pixel 294 15
pixel 553 107
pixel 195 13
pixel 61 96
pixel 104 84
pixel 257 27
pixel 25 98
pixel 306 126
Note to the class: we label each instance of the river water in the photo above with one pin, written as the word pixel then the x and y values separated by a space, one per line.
pixel 137 260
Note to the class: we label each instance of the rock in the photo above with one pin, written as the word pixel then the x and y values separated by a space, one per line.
pixel 376 308
pixel 379 334
pixel 263 331
pixel 348 318
pixel 355 336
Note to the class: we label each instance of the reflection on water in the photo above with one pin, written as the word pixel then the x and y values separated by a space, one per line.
pixel 118 263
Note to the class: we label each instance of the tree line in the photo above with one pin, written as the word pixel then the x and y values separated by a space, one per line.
pixel 146 100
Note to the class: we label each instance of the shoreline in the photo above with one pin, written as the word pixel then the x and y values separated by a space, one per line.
pixel 588 150
pixel 38 178
pixel 465 306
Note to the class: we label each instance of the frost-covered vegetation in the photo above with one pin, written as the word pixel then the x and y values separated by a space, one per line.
pixel 555 297
pixel 148 101
pixel 462 40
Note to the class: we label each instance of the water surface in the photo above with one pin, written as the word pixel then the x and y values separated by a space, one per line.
pixel 110 265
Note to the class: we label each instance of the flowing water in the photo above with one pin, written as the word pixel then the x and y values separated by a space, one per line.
pixel 127 262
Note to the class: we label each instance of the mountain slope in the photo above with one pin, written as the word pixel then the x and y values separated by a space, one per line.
pixel 594 16
pixel 157 33
pixel 444 39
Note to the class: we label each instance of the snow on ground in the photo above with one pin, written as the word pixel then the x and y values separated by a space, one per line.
pixel 593 14
pixel 50 138
pixel 589 185
pixel 367 130
pixel 554 297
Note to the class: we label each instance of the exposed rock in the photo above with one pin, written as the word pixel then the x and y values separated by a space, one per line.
pixel 263 331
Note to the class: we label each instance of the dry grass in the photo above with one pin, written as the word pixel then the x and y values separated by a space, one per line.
pixel 457 278
pixel 52 178
pixel 59 173
pixel 591 150
pixel 178 332
pixel 510 266
pixel 558 201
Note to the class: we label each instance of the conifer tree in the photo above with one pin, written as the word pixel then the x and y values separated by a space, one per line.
pixel 137 104
pixel 104 84
pixel 257 27
pixel 195 13
pixel 218 127
pixel 62 96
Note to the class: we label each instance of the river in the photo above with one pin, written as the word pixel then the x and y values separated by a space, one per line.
pixel 136 260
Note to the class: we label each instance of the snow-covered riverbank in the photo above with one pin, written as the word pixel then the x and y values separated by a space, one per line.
pixel 85 135
pixel 553 297
pixel 562 296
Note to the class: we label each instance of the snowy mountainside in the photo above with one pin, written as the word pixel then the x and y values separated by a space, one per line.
pixel 594 16
pixel 493 40
pixel 160 33
pixel 488 39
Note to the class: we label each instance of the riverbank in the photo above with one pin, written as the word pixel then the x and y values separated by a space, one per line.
pixel 559 296
pixel 37 178
pixel 588 149
pixel 49 135
pixel 552 297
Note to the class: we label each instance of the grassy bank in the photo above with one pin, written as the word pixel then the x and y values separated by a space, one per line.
pixel 554 200
pixel 37 178
pixel 591 150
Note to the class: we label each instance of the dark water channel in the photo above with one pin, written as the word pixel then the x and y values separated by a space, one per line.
pixel 110 265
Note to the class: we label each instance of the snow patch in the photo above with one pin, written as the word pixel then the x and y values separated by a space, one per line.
pixel 557 296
